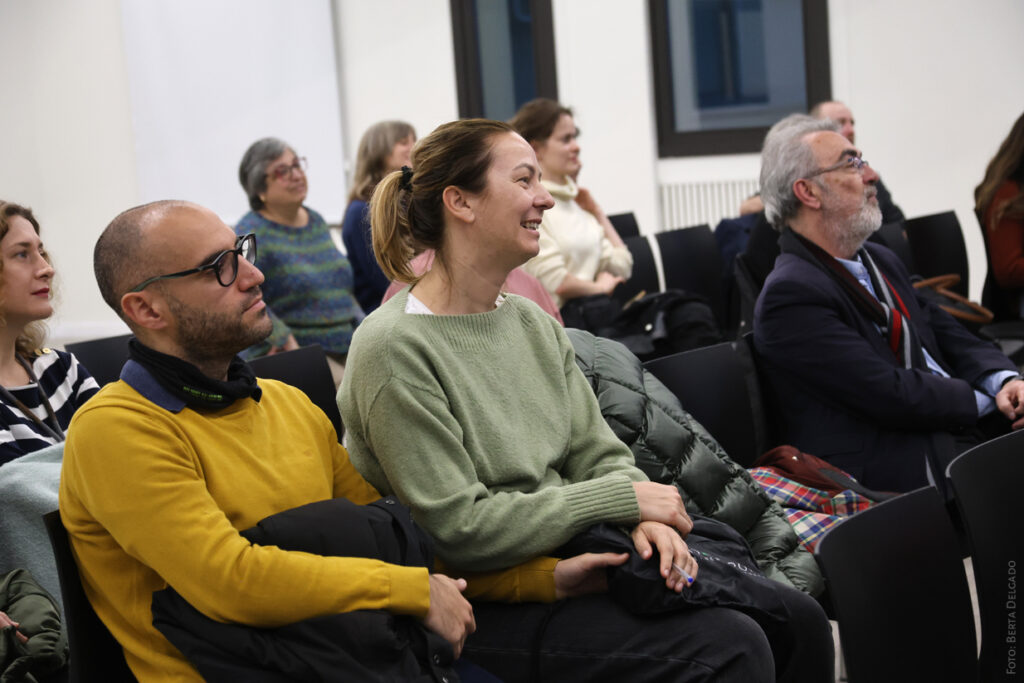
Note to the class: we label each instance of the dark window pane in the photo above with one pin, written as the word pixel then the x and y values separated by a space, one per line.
pixel 504 54
pixel 505 47
pixel 726 70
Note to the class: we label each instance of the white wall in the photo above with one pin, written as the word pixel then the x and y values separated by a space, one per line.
pixel 397 62
pixel 68 150
pixel 203 91
pixel 602 52
pixel 934 85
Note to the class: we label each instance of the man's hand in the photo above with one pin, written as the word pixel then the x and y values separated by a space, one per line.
pixel 751 205
pixel 1010 402
pixel 585 574
pixel 6 621
pixel 662 503
pixel 450 615
pixel 672 551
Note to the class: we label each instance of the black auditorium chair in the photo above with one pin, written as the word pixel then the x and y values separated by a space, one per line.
pixel 712 384
pixel 103 358
pixel 988 481
pixel 94 654
pixel 625 224
pixel 691 262
pixel 645 270
pixel 307 369
pixel 747 291
pixel 894 236
pixel 898 589
pixel 937 247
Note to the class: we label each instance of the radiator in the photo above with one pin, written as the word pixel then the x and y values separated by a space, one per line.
pixel 687 204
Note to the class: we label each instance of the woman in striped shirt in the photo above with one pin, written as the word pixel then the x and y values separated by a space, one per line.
pixel 40 389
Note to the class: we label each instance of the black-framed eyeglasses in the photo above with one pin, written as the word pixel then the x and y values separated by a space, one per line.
pixel 224 265
pixel 282 172
pixel 856 162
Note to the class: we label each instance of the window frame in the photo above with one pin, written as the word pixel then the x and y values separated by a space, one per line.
pixel 672 143
pixel 468 79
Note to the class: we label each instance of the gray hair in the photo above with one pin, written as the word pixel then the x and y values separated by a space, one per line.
pixel 252 172
pixel 785 158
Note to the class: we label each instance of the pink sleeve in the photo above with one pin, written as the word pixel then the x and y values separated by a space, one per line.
pixel 522 283
pixel 419 265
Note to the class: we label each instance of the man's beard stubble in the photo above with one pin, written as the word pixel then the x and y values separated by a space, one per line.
pixel 205 335
pixel 849 233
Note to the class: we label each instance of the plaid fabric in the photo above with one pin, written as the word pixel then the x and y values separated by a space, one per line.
pixel 810 526
pixel 811 512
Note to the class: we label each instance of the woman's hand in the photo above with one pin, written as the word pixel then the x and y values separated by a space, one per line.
pixel 672 551
pixel 606 282
pixel 662 503
pixel 6 621
pixel 586 201
pixel 585 574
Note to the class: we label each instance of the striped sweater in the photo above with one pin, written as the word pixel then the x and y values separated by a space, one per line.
pixel 308 287
pixel 66 384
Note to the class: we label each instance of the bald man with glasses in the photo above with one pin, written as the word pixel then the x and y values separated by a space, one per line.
pixel 862 372
pixel 168 465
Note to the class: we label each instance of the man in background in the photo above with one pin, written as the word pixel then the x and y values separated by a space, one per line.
pixel 843 117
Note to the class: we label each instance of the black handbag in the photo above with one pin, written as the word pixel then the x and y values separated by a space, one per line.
pixel 728 575
pixel 652 326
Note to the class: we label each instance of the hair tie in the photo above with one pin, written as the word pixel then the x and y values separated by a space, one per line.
pixel 406 182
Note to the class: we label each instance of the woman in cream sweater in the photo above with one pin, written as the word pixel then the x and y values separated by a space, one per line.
pixel 580 252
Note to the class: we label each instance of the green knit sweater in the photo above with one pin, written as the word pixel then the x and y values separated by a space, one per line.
pixel 486 428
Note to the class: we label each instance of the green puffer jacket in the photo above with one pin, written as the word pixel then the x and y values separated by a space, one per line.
pixel 672 448
pixel 46 651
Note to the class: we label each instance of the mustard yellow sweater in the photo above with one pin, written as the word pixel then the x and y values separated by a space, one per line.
pixel 152 497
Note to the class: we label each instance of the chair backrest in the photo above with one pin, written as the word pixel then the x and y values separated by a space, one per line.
pixel 103 358
pixel 899 592
pixel 937 247
pixel 645 270
pixel 711 385
pixel 987 485
pixel 894 236
pixel 625 224
pixel 747 291
pixel 305 368
pixel 94 654
pixel 691 262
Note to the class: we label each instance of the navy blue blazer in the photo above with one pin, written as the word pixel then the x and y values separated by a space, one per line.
pixel 837 390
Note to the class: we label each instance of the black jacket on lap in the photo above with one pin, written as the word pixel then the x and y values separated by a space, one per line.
pixel 366 645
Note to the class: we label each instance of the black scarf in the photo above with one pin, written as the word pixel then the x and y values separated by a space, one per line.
pixel 887 311
pixel 187 382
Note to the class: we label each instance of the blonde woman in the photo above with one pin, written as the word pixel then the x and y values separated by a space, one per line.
pixel 385 147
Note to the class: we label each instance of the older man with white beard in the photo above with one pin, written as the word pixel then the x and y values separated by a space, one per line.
pixel 862 371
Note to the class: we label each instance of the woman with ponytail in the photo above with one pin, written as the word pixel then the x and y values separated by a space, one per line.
pixel 465 401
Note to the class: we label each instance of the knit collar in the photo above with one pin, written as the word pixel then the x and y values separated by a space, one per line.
pixel 499 328
pixel 567 191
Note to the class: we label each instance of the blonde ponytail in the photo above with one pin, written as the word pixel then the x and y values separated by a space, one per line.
pixel 390 230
